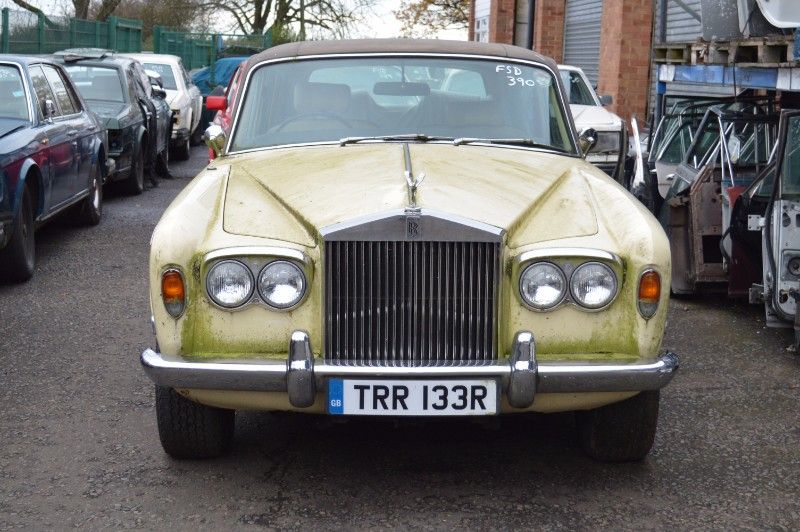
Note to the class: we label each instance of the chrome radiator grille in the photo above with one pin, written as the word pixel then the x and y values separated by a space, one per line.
pixel 413 303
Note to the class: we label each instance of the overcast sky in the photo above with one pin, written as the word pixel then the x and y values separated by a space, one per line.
pixel 381 24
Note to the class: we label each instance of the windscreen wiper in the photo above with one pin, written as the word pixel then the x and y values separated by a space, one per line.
pixel 411 137
pixel 511 142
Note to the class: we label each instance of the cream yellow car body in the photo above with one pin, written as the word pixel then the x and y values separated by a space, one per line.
pixel 281 198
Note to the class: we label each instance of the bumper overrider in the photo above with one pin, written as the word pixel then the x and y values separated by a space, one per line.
pixel 520 378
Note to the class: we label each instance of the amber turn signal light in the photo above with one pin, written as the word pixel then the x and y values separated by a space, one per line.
pixel 649 293
pixel 173 292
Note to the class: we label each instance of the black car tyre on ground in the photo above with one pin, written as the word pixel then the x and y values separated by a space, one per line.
pixel 134 185
pixel 90 210
pixel 620 432
pixel 182 151
pixel 197 135
pixel 18 258
pixel 191 430
pixel 162 163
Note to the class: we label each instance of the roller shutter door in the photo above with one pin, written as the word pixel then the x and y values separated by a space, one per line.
pixel 582 24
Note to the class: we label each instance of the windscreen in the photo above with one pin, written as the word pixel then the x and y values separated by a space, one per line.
pixel 13 103
pixel 165 71
pixel 97 83
pixel 578 91
pixel 323 100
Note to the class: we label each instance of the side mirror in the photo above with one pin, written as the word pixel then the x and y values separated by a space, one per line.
pixel 587 140
pixel 216 103
pixel 606 99
pixel 214 137
pixel 158 92
pixel 49 110
pixel 155 78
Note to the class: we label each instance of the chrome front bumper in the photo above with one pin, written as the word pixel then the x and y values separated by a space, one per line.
pixel 521 378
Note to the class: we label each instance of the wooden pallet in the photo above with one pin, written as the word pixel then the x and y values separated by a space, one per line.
pixel 672 54
pixel 765 52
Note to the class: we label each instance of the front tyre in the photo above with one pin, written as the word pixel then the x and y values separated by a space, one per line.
pixel 191 430
pixel 90 210
pixel 134 185
pixel 620 432
pixel 183 151
pixel 18 258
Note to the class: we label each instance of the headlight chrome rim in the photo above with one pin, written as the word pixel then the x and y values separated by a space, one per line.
pixel 303 289
pixel 221 304
pixel 593 308
pixel 557 302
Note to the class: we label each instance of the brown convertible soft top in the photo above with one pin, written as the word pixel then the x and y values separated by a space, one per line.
pixel 414 46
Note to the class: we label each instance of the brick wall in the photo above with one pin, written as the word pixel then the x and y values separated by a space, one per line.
pixel 625 45
pixel 548 28
pixel 501 21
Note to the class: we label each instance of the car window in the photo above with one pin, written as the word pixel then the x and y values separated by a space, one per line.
pixel 790 170
pixel 187 80
pixel 578 91
pixel 97 83
pixel 60 90
pixel 13 103
pixel 42 88
pixel 141 79
pixel 323 100
pixel 677 146
pixel 165 71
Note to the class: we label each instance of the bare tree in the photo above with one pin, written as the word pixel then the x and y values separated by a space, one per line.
pixel 426 17
pixel 314 17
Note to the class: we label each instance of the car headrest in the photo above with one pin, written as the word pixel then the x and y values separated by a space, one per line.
pixel 475 113
pixel 321 97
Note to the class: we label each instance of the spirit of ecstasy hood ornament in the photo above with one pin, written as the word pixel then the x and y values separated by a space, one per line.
pixel 411 181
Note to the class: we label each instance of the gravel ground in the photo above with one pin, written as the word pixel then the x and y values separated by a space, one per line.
pixel 79 448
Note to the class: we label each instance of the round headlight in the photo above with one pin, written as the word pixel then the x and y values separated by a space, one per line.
pixel 593 285
pixel 229 284
pixel 542 285
pixel 281 284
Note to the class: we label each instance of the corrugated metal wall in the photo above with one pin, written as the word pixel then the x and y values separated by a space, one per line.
pixel 682 25
pixel 582 21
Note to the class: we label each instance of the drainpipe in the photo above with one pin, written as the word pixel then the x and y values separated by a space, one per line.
pixel 529 36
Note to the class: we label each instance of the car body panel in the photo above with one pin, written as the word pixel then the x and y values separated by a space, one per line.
pixel 62 155
pixel 597 117
pixel 184 99
pixel 129 120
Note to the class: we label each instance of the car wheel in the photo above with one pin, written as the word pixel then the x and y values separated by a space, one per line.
pixel 135 182
pixel 191 430
pixel 18 258
pixel 197 135
pixel 91 208
pixel 620 432
pixel 162 164
pixel 183 151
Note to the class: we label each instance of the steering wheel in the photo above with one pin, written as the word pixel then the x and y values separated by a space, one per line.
pixel 324 116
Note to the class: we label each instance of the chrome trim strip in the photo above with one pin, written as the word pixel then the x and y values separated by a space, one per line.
pixel 245 251
pixel 565 109
pixel 391 225
pixel 568 252
pixel 302 373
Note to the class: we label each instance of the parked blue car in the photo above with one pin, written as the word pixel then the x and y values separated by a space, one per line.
pixel 52 157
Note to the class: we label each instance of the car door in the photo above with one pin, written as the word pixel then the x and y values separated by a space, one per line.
pixel 61 155
pixel 194 95
pixel 781 238
pixel 80 131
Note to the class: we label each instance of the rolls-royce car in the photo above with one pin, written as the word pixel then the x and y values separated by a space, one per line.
pixel 52 158
pixel 375 240
pixel 137 118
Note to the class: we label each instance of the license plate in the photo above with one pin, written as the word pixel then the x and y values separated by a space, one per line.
pixel 353 397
